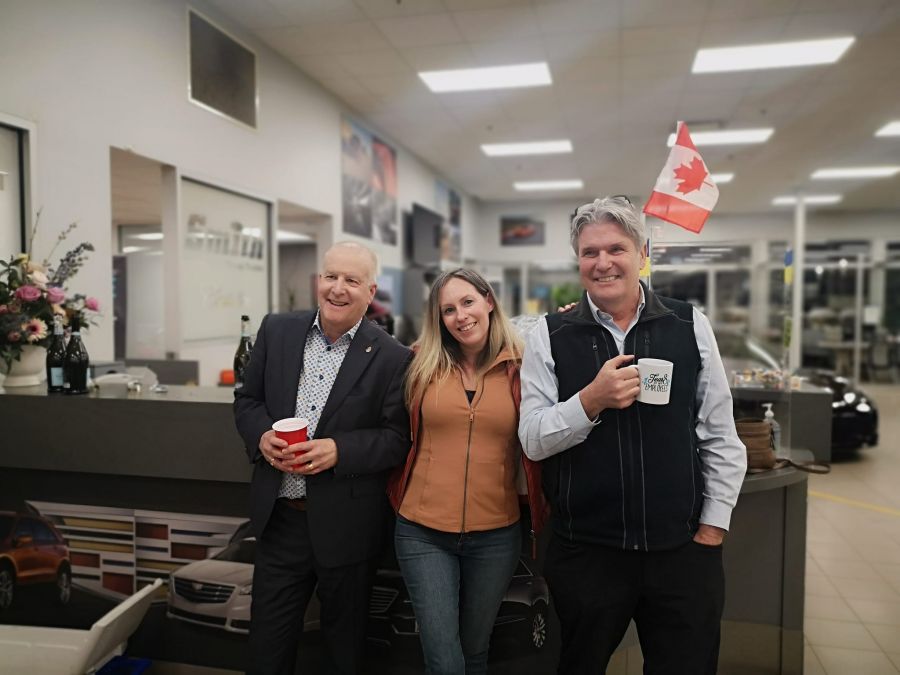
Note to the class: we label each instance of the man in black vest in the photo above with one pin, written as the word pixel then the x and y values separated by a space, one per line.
pixel 641 494
pixel 319 517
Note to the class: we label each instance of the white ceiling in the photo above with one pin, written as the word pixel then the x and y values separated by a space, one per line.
pixel 621 78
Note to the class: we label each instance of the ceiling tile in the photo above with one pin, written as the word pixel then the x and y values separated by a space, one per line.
pixel 725 10
pixel 660 39
pixel 313 11
pixel 485 25
pixel 508 52
pixel 439 57
pixel 420 31
pixel 326 38
pixel 742 32
pixel 639 13
pixel 259 15
pixel 380 62
pixel 381 9
pixel 462 5
pixel 573 17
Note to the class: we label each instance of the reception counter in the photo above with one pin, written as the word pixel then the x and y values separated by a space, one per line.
pixel 145 484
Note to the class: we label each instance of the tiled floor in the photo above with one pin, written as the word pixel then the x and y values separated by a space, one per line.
pixel 852 624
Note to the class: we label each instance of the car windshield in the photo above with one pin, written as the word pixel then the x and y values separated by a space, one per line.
pixel 6 523
pixel 239 551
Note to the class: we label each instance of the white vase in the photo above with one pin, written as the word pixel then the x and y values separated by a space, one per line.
pixel 30 370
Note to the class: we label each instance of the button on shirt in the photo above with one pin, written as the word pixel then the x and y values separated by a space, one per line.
pixel 321 362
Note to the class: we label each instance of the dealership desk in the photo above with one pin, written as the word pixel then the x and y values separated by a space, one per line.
pixel 178 452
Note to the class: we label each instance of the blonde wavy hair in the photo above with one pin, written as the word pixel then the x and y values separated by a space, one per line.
pixel 438 352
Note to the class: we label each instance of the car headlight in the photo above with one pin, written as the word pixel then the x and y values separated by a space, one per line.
pixel 245 590
pixel 849 397
pixel 863 407
pixel 838 404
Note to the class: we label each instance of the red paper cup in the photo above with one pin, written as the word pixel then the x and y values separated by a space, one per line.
pixel 291 429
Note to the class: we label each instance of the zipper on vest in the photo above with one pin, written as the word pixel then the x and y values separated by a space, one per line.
pixel 466 475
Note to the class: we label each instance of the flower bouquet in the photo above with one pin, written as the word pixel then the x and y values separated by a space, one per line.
pixel 32 294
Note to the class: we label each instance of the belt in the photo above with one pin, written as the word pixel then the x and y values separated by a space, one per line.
pixel 296 504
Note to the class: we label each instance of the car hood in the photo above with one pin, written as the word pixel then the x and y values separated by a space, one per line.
pixel 217 572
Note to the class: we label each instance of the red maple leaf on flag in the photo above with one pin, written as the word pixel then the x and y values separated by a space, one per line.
pixel 691 176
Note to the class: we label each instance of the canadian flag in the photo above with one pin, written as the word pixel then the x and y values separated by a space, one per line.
pixel 685 194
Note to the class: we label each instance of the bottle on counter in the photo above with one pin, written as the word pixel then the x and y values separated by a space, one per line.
pixel 76 362
pixel 769 417
pixel 56 359
pixel 242 355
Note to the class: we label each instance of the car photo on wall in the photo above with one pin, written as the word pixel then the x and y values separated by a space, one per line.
pixel 32 552
pixel 217 592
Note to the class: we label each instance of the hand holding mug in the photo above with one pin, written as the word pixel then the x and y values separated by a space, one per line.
pixel 612 387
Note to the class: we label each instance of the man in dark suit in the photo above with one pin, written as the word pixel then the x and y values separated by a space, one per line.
pixel 319 517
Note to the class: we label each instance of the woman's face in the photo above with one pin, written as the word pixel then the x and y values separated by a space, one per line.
pixel 466 314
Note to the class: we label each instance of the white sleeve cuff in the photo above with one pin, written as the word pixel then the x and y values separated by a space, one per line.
pixel 573 414
pixel 715 513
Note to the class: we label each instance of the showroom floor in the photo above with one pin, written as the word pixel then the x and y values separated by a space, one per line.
pixel 852 620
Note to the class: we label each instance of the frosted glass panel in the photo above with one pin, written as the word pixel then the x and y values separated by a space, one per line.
pixel 225 261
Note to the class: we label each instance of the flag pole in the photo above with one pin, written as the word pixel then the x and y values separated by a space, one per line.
pixel 796 349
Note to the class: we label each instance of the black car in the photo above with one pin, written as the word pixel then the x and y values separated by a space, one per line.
pixel 523 614
pixel 854 417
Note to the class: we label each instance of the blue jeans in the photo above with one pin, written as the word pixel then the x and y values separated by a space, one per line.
pixel 456 583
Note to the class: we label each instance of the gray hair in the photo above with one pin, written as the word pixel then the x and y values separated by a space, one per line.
pixel 618 210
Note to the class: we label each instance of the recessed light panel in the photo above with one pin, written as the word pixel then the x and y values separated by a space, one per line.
pixel 772 55
pixel 837 173
pixel 528 186
pixel 534 148
pixel 720 178
pixel 495 77
pixel 727 136
pixel 889 129
pixel 791 200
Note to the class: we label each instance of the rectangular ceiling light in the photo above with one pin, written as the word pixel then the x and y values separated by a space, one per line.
pixel 720 178
pixel 889 129
pixel 771 55
pixel 728 136
pixel 535 148
pixel 791 200
pixel 528 186
pixel 856 172
pixel 495 77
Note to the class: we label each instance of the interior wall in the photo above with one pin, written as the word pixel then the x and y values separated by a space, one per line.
pixel 103 73
pixel 821 225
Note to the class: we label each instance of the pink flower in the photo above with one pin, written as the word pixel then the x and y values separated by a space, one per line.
pixel 28 293
pixel 4 309
pixel 35 330
pixel 92 304
pixel 14 336
pixel 55 295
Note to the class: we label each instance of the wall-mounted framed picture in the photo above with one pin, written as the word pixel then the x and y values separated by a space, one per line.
pixel 521 231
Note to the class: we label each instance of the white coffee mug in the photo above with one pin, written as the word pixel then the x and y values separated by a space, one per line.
pixel 656 380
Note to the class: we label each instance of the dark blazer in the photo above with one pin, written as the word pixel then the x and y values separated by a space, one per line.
pixel 365 415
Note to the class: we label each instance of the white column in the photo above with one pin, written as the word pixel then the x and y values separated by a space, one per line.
pixel 173 233
pixel 796 349
pixel 712 309
pixel 857 323
pixel 759 289
pixel 523 293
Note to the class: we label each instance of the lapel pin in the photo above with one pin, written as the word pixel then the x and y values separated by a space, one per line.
pixel 368 349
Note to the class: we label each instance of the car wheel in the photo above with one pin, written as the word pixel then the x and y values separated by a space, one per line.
pixel 539 626
pixel 63 585
pixel 7 587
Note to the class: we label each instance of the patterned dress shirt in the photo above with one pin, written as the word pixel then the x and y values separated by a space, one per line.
pixel 321 362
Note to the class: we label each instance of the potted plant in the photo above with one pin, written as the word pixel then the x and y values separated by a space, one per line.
pixel 31 294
